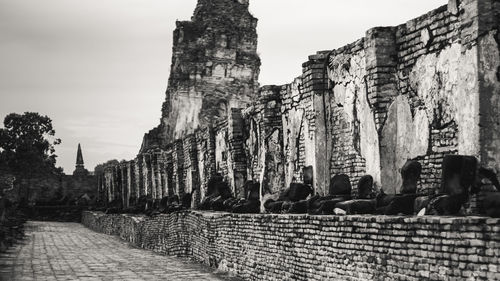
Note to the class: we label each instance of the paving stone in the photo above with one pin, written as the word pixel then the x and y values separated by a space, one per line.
pixel 69 251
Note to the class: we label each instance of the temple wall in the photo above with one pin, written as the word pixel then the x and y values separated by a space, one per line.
pixel 421 90
pixel 302 247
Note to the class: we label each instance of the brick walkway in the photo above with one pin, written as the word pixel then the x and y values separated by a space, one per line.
pixel 69 251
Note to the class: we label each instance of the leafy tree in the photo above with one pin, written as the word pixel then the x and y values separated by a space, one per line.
pixel 27 146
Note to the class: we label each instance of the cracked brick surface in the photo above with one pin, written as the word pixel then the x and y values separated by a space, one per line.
pixel 69 251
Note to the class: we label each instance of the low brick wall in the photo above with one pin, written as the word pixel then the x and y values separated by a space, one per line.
pixel 303 247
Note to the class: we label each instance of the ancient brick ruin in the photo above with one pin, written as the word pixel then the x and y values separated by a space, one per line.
pixel 420 91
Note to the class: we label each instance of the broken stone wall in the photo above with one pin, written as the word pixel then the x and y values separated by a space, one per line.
pixel 421 90
pixel 410 92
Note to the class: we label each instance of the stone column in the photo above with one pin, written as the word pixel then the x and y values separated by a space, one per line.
pixel 169 172
pixel 124 184
pixel 314 85
pixel 192 182
pixel 205 139
pixel 153 174
pixel 178 167
pixel 131 182
pixel 236 159
pixel 381 79
pixel 139 179
pixel 146 170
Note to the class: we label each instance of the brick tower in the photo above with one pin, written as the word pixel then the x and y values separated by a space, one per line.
pixel 215 67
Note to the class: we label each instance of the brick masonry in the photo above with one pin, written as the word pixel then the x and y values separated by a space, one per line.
pixel 303 247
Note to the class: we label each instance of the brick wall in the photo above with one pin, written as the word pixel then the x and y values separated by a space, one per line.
pixel 302 247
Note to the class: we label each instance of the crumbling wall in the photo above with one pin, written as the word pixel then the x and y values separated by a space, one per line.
pixel 421 90
pixel 355 146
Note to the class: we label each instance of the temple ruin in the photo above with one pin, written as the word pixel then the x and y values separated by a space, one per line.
pixel 421 91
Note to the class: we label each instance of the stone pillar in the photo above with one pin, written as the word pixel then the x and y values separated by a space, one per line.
pixel 117 182
pixel 132 196
pixel 236 159
pixel 169 171
pixel 381 82
pixel 124 184
pixel 139 178
pixel 314 84
pixel 154 184
pixel 205 139
pixel 488 42
pixel 146 170
pixel 178 167
pixel 162 174
pixel 192 182
pixel 107 184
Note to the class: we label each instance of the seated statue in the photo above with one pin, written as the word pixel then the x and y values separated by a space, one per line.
pixel 164 204
pixel 114 207
pixel 410 172
pixel 186 201
pixel 139 207
pixel 457 181
pixel 251 203
pixel 295 193
pixel 218 191
pixel 487 188
pixel 339 191
pixel 403 203
pixel 365 187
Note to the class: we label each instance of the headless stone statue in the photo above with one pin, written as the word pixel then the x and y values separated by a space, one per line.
pixel 217 192
pixel 339 191
pixel 251 203
pixel 115 207
pixel 308 175
pixel 487 190
pixel 457 181
pixel 295 193
pixel 410 172
pixel 403 204
pixel 365 187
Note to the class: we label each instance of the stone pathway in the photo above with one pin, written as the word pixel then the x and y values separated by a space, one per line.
pixel 69 251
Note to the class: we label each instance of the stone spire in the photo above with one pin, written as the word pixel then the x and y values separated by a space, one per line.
pixel 80 167
pixel 79 157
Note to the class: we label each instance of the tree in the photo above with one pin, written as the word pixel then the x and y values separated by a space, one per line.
pixel 27 146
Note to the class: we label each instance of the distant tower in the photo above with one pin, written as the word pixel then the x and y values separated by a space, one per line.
pixel 80 167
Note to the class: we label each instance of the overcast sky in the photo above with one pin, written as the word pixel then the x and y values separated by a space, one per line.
pixel 99 68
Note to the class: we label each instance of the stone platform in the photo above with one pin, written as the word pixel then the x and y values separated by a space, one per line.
pixel 303 247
